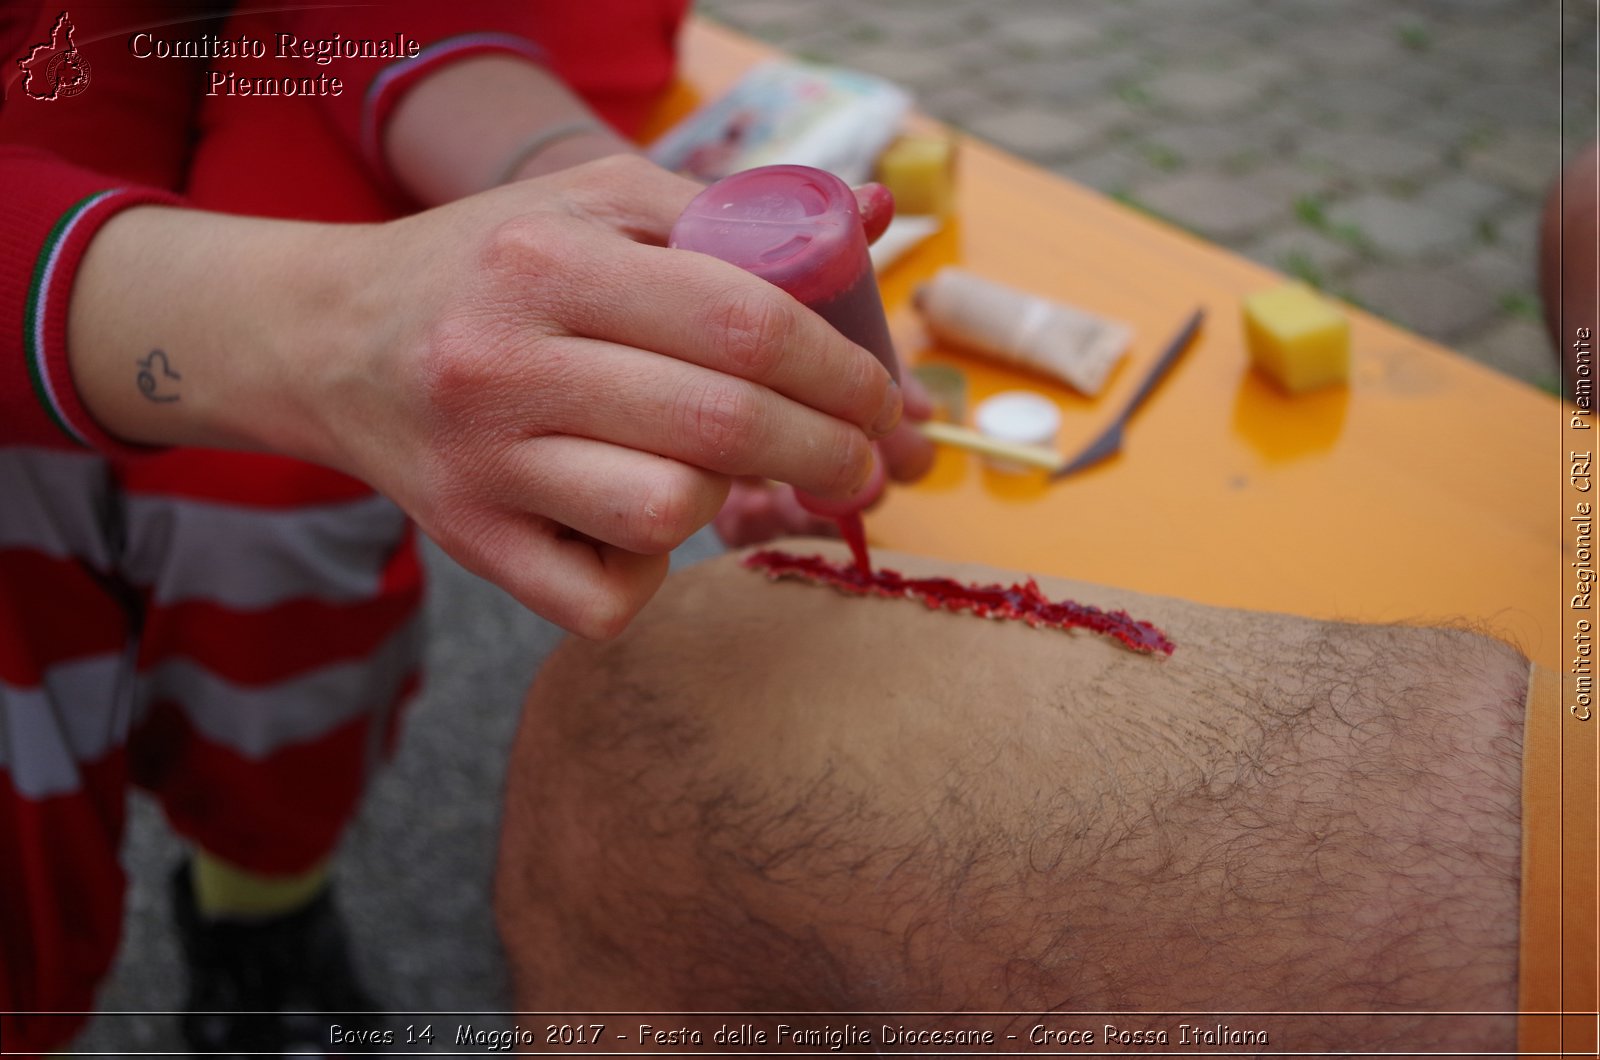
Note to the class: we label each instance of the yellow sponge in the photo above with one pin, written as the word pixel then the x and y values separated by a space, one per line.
pixel 920 172
pixel 1297 337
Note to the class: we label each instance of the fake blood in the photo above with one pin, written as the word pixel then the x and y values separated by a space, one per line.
pixel 855 535
pixel 1018 603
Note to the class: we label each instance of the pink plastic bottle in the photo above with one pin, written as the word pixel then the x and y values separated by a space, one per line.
pixel 799 228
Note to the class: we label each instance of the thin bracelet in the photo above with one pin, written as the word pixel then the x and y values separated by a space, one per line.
pixel 543 139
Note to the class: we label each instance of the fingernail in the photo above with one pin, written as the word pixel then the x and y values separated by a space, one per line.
pixel 918 402
pixel 876 205
pixel 889 414
pixel 862 494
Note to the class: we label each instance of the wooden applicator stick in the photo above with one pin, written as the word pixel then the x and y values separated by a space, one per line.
pixel 970 440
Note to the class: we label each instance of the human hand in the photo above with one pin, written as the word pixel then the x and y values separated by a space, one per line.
pixel 559 401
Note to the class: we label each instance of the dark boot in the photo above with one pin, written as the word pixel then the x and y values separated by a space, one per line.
pixel 271 985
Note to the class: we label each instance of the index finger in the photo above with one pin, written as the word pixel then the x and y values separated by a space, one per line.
pixel 706 312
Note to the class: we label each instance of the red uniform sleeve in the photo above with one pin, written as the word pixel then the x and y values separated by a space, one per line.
pixel 71 157
pixel 443 33
pixel 48 214
pixel 617 54
pixel 129 117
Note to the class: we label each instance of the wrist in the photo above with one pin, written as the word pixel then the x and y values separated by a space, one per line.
pixel 323 329
pixel 198 329
pixel 567 151
pixel 118 334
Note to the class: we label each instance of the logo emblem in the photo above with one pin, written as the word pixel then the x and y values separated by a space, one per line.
pixel 55 69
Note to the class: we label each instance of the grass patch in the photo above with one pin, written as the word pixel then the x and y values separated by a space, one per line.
pixel 1354 302
pixel 1133 94
pixel 1127 198
pixel 1488 231
pixel 1522 305
pixel 1313 213
pixel 1162 157
pixel 1352 236
pixel 1415 37
pixel 1299 265
pixel 1132 201
pixel 1479 137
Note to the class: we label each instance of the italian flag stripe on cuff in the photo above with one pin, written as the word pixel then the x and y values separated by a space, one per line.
pixel 45 296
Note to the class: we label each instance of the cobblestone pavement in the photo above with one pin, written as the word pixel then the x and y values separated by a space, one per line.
pixel 1393 152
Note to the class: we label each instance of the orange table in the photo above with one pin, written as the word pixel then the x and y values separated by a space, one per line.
pixel 1427 492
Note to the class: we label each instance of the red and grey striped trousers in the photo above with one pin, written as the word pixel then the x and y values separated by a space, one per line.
pixel 233 633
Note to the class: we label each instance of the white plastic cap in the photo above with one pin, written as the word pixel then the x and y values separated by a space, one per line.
pixel 1017 416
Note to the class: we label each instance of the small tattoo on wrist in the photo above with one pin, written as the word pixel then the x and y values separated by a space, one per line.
pixel 149 383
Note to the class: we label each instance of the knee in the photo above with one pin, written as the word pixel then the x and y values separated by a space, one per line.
pixel 599 897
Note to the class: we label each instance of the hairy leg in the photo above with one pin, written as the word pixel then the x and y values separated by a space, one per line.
pixel 767 796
